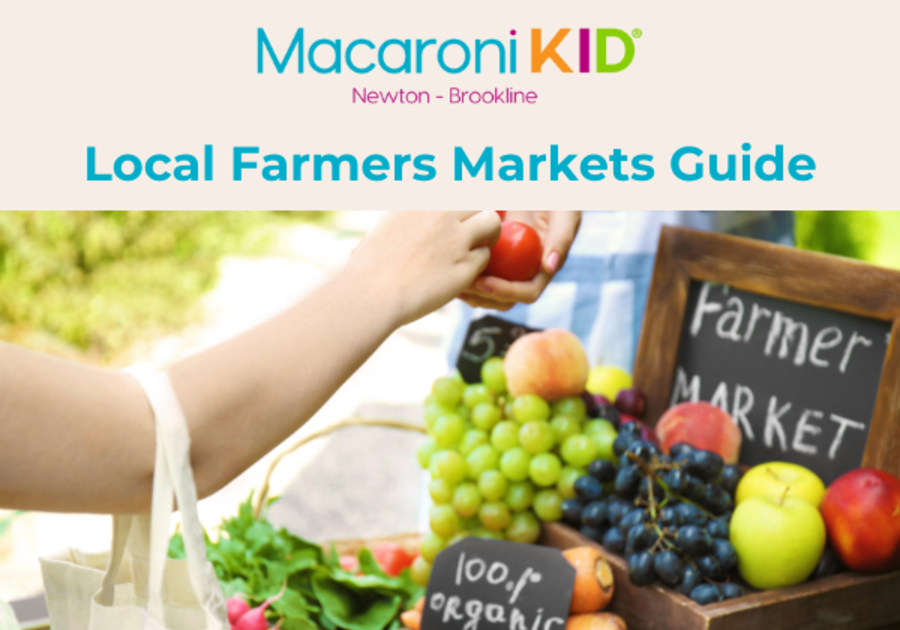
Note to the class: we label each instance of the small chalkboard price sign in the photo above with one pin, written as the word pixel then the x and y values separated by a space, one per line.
pixel 487 337
pixel 479 584
pixel 796 346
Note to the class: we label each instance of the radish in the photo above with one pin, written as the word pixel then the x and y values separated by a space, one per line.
pixel 237 607
pixel 255 618
pixel 349 563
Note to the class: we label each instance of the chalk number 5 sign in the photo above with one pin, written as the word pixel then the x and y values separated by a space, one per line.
pixel 487 337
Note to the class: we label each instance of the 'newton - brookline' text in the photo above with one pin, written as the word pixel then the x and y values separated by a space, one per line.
pixel 455 96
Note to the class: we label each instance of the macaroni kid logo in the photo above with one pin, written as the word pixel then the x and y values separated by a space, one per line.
pixel 453 56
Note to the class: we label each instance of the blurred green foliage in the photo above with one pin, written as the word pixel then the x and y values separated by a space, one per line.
pixel 96 282
pixel 843 233
pixel 870 236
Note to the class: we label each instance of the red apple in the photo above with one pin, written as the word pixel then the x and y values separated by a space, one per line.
pixel 703 426
pixel 551 364
pixel 862 515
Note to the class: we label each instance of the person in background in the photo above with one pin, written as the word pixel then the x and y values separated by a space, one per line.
pixel 601 291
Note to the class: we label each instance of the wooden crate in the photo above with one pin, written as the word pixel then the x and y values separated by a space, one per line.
pixel 850 601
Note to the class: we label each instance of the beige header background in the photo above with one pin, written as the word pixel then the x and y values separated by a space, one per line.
pixel 170 76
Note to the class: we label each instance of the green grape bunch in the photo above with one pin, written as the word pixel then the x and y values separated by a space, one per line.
pixel 501 465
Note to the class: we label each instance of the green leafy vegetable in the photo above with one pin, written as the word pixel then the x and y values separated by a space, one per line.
pixel 355 605
pixel 253 558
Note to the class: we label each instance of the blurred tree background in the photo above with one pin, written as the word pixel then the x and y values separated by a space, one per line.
pixel 870 236
pixel 91 284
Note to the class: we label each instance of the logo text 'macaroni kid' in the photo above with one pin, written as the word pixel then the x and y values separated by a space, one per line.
pixel 453 56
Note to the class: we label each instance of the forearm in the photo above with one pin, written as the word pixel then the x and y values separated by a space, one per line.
pixel 244 397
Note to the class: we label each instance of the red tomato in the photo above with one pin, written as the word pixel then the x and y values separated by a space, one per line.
pixel 392 558
pixel 517 255
pixel 502 214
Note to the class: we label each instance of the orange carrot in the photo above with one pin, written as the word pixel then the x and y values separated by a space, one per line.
pixel 412 619
pixel 594 584
pixel 596 621
pixel 420 605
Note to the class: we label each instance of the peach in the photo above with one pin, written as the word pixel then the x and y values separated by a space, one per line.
pixel 703 426
pixel 551 364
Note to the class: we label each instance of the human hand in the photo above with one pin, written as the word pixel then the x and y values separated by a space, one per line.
pixel 422 260
pixel 557 231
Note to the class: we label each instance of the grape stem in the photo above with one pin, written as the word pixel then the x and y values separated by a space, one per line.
pixel 661 539
pixel 640 463
pixel 649 471
pixel 671 494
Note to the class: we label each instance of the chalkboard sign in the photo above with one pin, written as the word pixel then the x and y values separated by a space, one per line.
pixel 487 337
pixel 800 382
pixel 800 347
pixel 479 584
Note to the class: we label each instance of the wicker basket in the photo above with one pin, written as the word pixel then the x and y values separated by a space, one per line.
pixel 348 546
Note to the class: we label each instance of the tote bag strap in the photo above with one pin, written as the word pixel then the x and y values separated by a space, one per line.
pixel 173 475
pixel 121 529
pixel 161 505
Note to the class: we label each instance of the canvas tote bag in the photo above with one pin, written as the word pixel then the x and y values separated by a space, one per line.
pixel 135 586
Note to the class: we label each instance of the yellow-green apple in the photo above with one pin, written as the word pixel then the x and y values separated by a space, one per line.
pixel 778 540
pixel 703 426
pixel 774 478
pixel 551 364
pixel 607 381
pixel 862 514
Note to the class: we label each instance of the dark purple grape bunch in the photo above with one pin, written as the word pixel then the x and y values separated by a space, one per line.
pixel 668 515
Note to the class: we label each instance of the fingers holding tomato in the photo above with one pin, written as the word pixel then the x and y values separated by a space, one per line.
pixel 520 273
pixel 477 301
